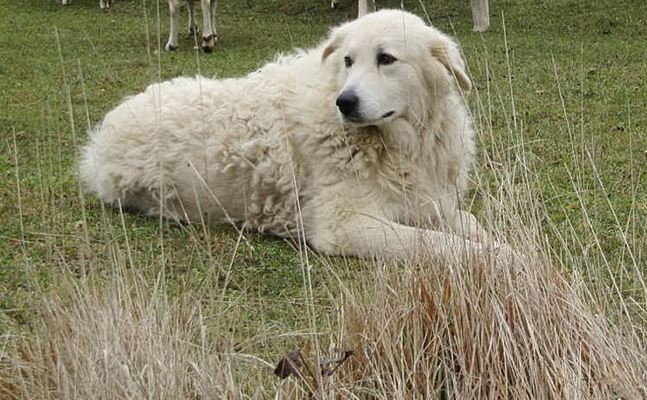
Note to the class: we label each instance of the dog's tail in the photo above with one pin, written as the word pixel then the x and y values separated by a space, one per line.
pixel 88 168
pixel 91 171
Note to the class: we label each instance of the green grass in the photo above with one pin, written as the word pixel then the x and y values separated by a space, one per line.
pixel 63 68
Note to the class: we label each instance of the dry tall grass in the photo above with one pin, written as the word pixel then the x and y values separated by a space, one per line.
pixel 126 339
pixel 123 340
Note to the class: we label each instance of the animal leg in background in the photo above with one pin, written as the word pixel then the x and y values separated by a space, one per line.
pixel 480 12
pixel 480 15
pixel 193 26
pixel 102 3
pixel 209 35
pixel 174 11
pixel 364 7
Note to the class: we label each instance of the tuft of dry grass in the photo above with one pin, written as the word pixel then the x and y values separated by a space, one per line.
pixel 126 339
pixel 484 330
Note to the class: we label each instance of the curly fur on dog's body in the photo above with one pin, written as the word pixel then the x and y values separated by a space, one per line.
pixel 268 152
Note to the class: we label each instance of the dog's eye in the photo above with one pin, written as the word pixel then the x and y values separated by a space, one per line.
pixel 385 59
pixel 348 61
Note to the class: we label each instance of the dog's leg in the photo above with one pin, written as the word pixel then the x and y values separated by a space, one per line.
pixel 209 35
pixel 367 237
pixel 174 10
pixel 480 15
pixel 370 238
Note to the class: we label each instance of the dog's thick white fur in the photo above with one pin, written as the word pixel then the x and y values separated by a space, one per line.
pixel 363 144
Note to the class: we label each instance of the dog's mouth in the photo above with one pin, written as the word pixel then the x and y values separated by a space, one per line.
pixel 358 120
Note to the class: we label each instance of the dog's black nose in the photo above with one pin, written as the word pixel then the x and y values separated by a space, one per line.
pixel 347 103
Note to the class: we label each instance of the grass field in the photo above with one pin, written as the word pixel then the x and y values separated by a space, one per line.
pixel 560 105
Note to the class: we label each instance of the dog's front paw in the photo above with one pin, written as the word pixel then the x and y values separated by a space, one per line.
pixel 504 254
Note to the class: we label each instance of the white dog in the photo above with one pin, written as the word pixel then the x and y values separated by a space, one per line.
pixel 362 144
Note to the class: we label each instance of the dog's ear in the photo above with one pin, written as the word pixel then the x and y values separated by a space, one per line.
pixel 334 41
pixel 447 52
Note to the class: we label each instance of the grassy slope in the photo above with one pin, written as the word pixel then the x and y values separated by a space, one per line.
pixel 598 53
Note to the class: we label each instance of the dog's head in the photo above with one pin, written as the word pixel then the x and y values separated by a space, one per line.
pixel 389 64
